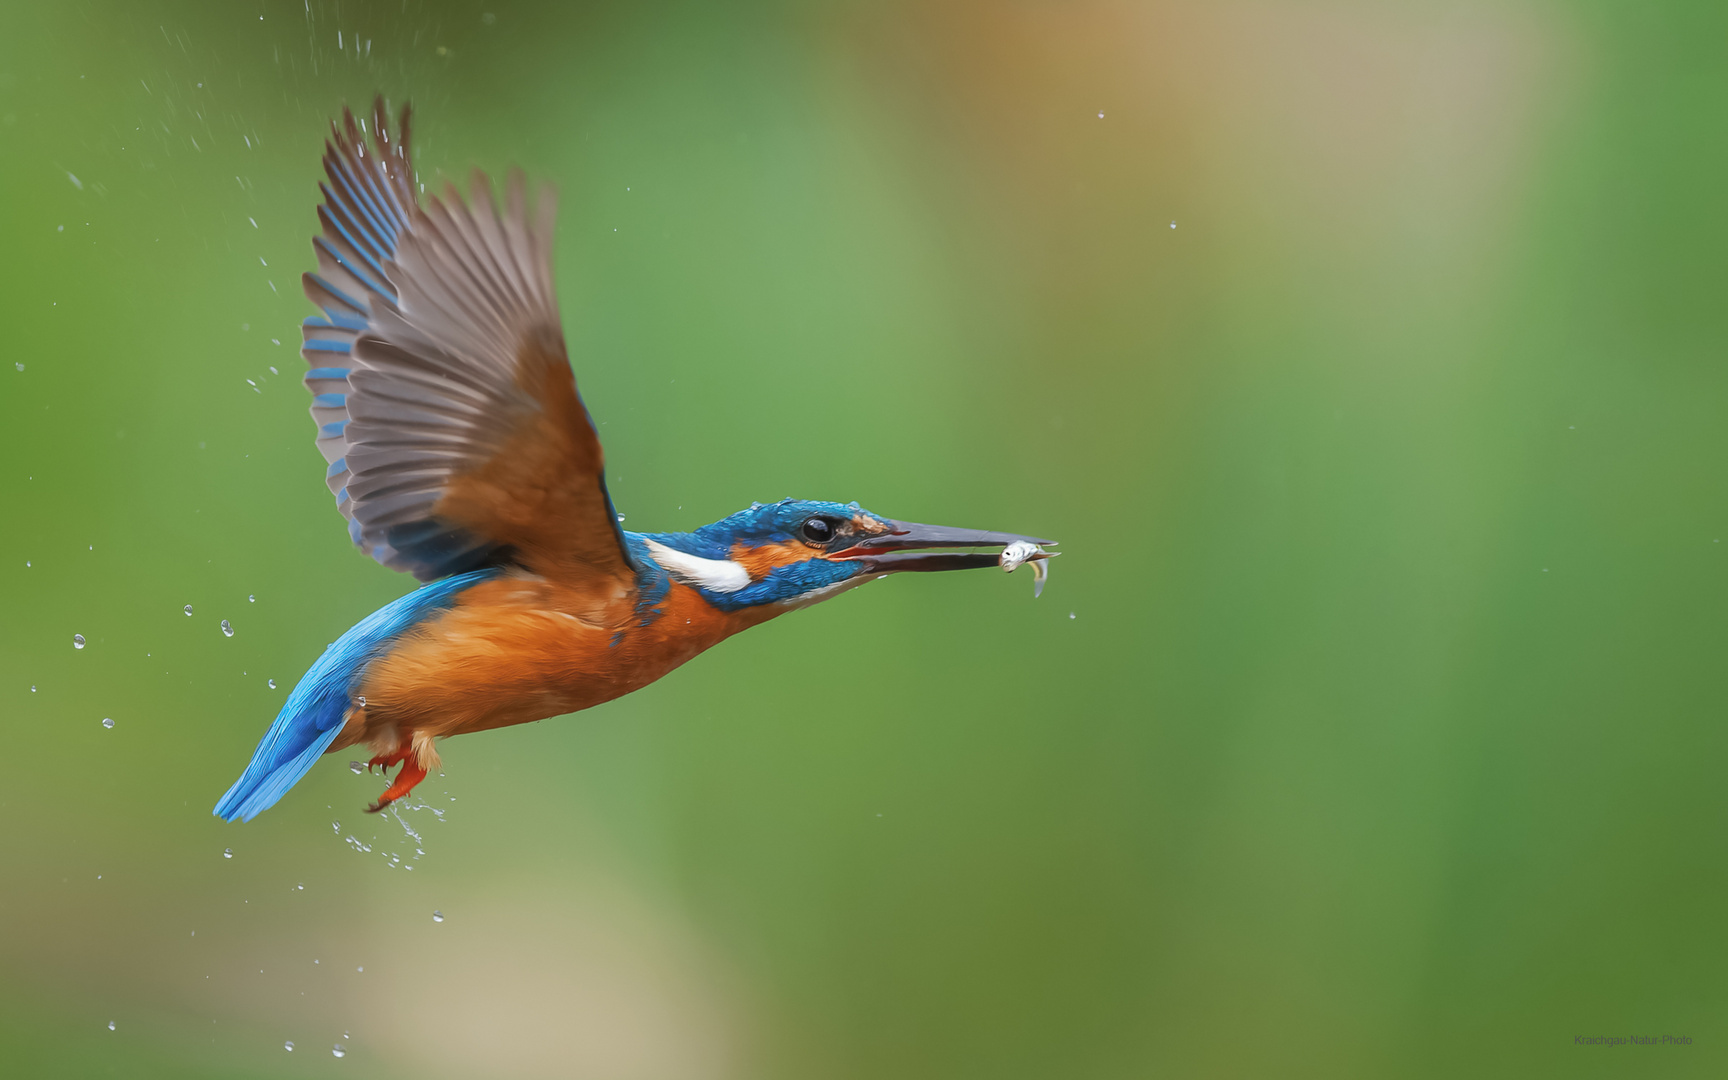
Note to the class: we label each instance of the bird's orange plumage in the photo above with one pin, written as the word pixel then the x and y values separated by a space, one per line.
pixel 761 560
pixel 512 650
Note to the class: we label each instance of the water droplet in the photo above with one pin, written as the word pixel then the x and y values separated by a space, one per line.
pixel 1100 116
pixel 437 916
pixel 227 853
pixel 336 826
pixel 1172 224
pixel 1070 614
pixel 250 599
pixel 289 1046
pixel 188 610
pixel 20 367
pixel 107 721
pixel 227 628
pixel 77 641
pixel 110 1025
pixel 620 517
pixel 362 700
pixel 360 969
pixel 356 768
pixel 337 1051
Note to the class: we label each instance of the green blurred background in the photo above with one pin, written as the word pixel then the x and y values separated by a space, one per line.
pixel 1367 358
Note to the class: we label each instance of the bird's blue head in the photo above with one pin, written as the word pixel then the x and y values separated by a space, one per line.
pixel 797 552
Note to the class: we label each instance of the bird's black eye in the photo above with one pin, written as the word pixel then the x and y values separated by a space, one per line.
pixel 816 531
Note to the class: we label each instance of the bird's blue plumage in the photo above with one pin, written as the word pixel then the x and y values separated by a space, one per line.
pixel 762 523
pixel 312 716
pixel 767 523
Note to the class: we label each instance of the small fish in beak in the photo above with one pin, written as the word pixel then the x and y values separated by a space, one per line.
pixel 1019 552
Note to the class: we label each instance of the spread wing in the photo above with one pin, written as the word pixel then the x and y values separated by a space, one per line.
pixel 443 394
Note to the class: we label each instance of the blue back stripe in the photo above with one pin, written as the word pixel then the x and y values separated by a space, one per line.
pixel 313 714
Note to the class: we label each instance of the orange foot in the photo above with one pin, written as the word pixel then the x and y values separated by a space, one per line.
pixel 411 774
pixel 384 761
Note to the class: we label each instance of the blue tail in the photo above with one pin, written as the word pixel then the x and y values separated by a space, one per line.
pixel 312 716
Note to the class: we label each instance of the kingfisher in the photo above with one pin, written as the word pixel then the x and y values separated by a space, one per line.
pixel 459 451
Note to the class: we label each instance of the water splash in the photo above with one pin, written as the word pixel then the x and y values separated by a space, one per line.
pixel 395 812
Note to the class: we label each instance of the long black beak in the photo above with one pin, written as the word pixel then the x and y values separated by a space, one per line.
pixel 903 548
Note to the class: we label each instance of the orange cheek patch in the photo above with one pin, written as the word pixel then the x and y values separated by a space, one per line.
pixel 759 561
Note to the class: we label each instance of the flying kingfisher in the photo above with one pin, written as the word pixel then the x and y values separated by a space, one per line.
pixel 459 452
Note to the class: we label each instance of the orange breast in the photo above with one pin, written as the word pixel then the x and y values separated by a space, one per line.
pixel 520 648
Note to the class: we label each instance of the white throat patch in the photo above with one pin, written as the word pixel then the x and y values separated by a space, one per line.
pixel 817 595
pixel 715 575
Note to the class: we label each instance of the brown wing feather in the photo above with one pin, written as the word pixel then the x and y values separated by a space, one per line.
pixel 523 496
pixel 465 439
